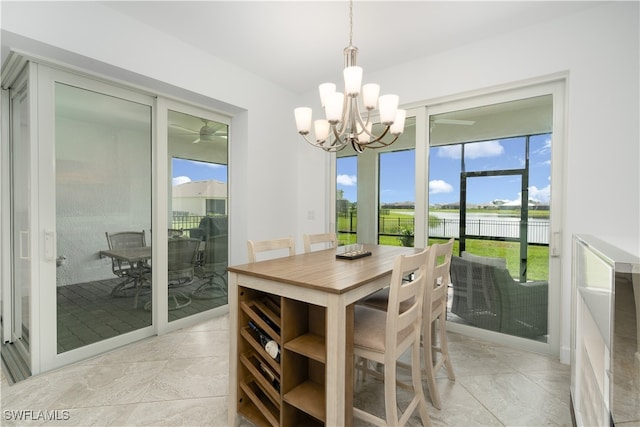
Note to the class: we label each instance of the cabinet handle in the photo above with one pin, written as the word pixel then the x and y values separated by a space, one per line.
pixel 23 234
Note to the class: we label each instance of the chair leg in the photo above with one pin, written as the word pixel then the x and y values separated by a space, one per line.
pixel 390 397
pixel 427 344
pixel 416 377
pixel 444 348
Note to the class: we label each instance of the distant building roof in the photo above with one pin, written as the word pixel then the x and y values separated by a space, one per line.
pixel 208 188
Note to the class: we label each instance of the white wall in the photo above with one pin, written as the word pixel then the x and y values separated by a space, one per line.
pixel 259 143
pixel 598 47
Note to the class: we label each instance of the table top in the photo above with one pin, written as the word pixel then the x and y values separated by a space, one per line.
pixel 321 270
pixel 129 254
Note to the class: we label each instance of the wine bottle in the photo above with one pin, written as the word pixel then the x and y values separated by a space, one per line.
pixel 270 346
pixel 270 376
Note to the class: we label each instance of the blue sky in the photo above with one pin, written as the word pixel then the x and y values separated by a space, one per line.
pixel 191 170
pixel 397 171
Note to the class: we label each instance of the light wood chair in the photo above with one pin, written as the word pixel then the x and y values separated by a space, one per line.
pixel 383 336
pixel 270 245
pixel 328 239
pixel 434 334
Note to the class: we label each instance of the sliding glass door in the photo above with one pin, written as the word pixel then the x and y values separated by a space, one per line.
pixel 198 214
pixel 491 175
pixel 103 189
pixel 95 197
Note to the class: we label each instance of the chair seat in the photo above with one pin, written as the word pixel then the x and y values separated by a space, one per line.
pixel 369 329
pixel 379 300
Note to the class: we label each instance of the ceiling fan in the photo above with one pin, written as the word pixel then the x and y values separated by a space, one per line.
pixel 207 133
pixel 443 121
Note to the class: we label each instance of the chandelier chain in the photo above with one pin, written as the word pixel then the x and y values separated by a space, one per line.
pixel 350 22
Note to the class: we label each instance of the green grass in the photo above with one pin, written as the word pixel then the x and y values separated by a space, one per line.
pixel 537 256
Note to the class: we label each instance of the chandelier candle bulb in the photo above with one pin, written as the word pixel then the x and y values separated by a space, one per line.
pixel 303 119
pixel 352 81
pixel 370 93
pixel 364 136
pixel 333 107
pixel 398 124
pixel 322 130
pixel 388 105
pixel 326 89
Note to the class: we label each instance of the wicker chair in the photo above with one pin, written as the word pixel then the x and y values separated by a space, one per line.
pixel 485 295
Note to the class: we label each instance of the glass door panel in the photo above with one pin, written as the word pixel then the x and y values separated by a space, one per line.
pixel 397 198
pixel 500 282
pixel 103 189
pixel 21 220
pixel 347 199
pixel 198 221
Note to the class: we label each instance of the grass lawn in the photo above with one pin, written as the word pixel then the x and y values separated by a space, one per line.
pixel 537 256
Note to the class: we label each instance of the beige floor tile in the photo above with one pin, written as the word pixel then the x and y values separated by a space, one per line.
pixel 516 400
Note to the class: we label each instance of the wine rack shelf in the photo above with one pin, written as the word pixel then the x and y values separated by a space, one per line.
pixel 283 388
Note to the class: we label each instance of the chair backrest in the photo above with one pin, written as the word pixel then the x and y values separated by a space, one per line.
pixel 270 245
pixel 126 239
pixel 182 255
pixel 410 294
pixel 328 240
pixel 121 240
pixel 438 278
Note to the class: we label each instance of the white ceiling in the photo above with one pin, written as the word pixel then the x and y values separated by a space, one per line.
pixel 298 44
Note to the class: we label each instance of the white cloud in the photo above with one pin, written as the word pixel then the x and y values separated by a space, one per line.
pixel 475 150
pixel 439 186
pixel 483 149
pixel 180 180
pixel 450 151
pixel 347 180
pixel 542 195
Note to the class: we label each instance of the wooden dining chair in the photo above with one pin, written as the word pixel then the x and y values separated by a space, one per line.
pixel 434 330
pixel 384 336
pixel 278 246
pixel 434 334
pixel 328 240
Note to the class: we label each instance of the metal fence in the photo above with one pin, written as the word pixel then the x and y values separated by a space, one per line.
pixel 186 222
pixel 537 229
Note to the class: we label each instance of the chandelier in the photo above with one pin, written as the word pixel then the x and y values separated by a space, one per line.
pixel 344 124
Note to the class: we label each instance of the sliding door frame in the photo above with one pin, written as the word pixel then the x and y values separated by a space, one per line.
pixel 554 85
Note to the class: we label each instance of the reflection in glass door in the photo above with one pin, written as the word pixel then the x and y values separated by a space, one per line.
pixel 198 225
pixel 103 216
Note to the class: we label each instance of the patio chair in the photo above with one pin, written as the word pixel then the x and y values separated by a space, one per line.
pixel 181 269
pixel 213 268
pixel 132 273
pixel 485 295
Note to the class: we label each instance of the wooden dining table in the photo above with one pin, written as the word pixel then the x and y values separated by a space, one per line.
pixel 321 279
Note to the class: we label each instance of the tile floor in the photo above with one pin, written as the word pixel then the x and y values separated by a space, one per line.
pixel 181 379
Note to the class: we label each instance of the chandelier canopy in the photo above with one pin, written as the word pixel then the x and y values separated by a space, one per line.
pixel 344 124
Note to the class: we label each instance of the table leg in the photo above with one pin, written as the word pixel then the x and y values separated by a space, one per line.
pixel 338 379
